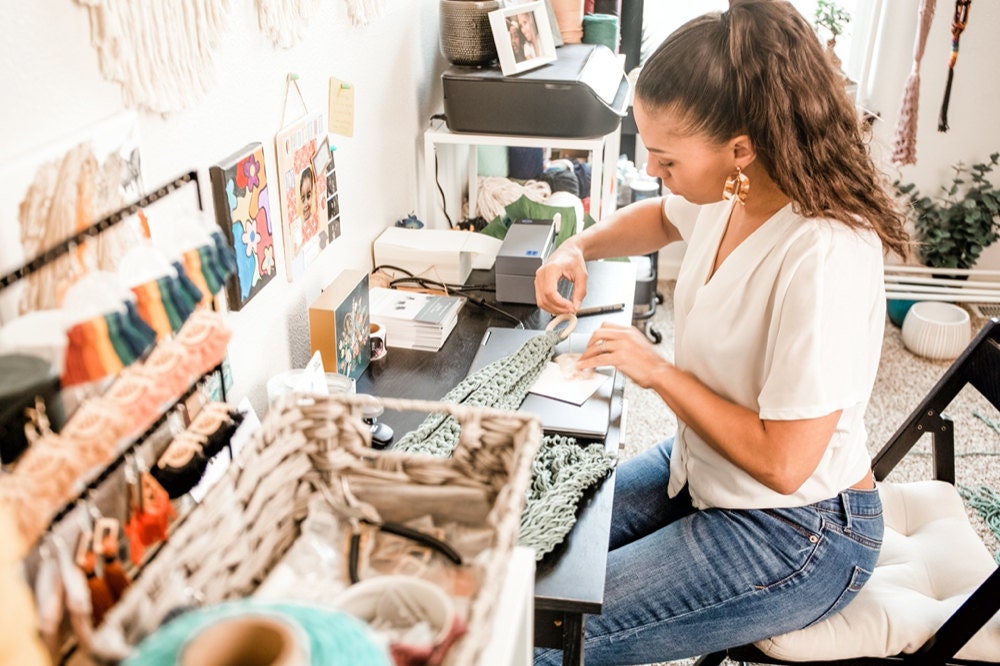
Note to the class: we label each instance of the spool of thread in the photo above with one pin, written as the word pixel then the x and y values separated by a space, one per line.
pixel 569 19
pixel 644 188
pixel 601 29
pixel 329 637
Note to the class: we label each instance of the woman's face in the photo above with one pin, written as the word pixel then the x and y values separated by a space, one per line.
pixel 691 165
pixel 306 197
pixel 527 23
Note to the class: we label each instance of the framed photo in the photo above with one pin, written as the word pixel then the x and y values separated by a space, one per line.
pixel 302 191
pixel 523 37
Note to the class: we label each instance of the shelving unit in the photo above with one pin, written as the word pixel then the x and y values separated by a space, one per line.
pixel 441 144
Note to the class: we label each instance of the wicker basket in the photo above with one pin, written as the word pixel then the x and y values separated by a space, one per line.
pixel 228 544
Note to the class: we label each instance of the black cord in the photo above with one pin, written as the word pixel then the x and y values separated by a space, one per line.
pixel 444 201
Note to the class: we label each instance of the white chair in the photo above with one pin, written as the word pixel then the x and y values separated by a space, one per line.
pixel 935 594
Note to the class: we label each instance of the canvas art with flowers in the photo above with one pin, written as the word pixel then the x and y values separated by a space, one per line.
pixel 243 210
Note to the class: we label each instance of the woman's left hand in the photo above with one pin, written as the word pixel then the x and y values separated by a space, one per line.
pixel 625 348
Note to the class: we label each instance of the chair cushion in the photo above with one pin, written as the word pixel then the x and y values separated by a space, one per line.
pixel 931 560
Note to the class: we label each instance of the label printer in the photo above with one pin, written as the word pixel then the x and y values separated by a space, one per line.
pixel 526 246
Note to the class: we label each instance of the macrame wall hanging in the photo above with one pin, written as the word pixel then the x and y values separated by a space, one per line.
pixel 958 23
pixel 363 12
pixel 563 469
pixel 284 21
pixel 65 196
pixel 159 51
pixel 904 150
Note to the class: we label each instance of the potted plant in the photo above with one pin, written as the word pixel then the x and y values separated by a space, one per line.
pixel 832 18
pixel 954 228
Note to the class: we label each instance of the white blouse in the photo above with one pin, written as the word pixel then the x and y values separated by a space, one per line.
pixel 790 326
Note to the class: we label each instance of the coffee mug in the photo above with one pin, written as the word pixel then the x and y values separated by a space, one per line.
pixel 376 341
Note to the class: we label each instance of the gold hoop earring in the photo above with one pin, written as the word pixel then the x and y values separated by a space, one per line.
pixel 737 186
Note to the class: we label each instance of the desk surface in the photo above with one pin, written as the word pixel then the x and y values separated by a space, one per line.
pixel 571 578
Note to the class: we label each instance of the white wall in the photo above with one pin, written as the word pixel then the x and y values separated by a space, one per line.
pixel 975 96
pixel 51 87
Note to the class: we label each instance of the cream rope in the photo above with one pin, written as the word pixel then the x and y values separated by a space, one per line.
pixel 363 12
pixel 496 193
pixel 284 21
pixel 159 51
pixel 904 150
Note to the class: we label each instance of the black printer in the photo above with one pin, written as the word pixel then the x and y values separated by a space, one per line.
pixel 583 93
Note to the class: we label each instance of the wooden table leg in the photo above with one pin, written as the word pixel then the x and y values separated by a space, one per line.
pixel 572 639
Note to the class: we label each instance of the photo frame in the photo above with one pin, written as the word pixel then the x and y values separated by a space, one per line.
pixel 523 37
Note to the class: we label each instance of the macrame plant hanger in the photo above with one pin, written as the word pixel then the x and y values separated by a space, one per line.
pixel 562 469
pixel 904 150
pixel 958 24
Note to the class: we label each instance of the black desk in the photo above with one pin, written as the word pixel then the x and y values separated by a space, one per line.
pixel 569 582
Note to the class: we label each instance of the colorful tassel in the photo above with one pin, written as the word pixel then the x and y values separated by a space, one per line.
pixel 960 20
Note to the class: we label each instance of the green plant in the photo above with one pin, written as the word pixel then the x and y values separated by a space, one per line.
pixel 832 17
pixel 954 228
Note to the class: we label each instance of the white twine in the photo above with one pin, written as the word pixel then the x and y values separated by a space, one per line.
pixel 495 193
pixel 284 21
pixel 160 51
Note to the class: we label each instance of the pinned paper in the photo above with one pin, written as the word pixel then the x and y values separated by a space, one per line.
pixel 341 107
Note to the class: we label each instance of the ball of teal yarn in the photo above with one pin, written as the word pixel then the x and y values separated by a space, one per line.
pixel 601 29
pixel 334 637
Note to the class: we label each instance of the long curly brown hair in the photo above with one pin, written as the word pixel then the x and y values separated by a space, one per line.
pixel 759 69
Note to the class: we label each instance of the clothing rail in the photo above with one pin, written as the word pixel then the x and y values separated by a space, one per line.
pixel 51 254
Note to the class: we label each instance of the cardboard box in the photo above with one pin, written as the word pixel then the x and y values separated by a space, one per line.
pixel 339 324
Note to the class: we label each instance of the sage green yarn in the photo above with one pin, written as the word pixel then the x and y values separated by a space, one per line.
pixel 562 469
pixel 986 501
pixel 601 29
pixel 502 384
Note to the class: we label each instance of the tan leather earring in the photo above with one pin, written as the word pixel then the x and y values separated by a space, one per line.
pixel 737 186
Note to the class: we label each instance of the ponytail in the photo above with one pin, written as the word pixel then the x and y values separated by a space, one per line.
pixel 759 69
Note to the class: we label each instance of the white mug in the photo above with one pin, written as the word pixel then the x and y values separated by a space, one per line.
pixel 376 341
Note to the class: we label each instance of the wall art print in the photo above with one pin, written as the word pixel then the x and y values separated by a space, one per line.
pixel 298 148
pixel 242 194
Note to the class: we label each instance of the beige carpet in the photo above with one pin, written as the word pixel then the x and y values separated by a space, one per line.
pixel 903 379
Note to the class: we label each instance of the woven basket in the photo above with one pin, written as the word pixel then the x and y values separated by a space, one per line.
pixel 229 543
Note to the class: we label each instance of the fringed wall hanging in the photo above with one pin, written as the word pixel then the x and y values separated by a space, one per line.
pixel 284 21
pixel 63 193
pixel 363 12
pixel 159 51
pixel 958 23
pixel 904 143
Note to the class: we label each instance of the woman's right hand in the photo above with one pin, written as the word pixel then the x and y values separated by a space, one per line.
pixel 566 262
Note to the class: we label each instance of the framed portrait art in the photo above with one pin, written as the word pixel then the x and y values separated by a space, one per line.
pixel 523 37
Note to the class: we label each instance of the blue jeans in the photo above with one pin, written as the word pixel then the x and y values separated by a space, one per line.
pixel 682 582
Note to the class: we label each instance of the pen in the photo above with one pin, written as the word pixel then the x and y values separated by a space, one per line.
pixel 600 309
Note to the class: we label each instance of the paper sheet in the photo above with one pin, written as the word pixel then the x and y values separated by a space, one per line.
pixel 576 388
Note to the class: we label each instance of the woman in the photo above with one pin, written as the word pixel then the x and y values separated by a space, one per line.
pixel 760 517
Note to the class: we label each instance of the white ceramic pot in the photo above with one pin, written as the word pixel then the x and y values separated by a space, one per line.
pixel 936 330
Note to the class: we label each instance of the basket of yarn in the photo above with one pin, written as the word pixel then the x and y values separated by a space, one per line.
pixel 316 450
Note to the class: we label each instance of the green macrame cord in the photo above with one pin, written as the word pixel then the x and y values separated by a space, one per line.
pixel 986 501
pixel 562 469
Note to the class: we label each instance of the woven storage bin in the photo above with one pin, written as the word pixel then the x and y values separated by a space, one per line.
pixel 228 544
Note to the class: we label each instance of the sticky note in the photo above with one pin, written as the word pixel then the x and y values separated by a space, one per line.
pixel 341 116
